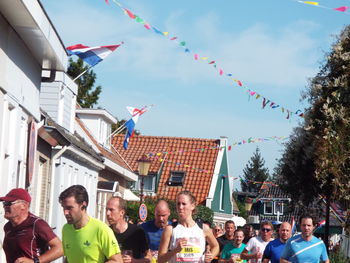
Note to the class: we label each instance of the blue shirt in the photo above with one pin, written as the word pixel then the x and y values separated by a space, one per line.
pixel 153 234
pixel 299 250
pixel 273 250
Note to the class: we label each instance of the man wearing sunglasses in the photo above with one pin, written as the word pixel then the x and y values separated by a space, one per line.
pixel 256 245
pixel 27 238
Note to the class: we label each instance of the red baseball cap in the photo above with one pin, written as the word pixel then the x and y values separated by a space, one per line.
pixel 17 194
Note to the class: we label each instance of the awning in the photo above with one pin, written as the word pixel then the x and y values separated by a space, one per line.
pixel 130 196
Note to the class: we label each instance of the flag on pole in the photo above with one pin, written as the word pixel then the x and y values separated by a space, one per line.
pixel 130 124
pixel 91 55
pixel 321 224
pixel 294 226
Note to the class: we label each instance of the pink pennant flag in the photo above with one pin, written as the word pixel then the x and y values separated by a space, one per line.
pixel 196 56
pixel 252 93
pixel 107 1
pixel 146 25
pixel 221 72
pixel 173 38
pixel 129 13
pixel 239 83
pixel 342 8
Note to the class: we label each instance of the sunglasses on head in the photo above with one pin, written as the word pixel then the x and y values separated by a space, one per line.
pixel 266 229
pixel 9 203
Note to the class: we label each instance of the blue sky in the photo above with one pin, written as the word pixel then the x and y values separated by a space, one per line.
pixel 272 46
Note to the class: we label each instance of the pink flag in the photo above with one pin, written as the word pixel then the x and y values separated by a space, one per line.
pixel 239 83
pixel 196 56
pixel 107 1
pixel 146 25
pixel 221 72
pixel 129 13
pixel 173 38
pixel 342 8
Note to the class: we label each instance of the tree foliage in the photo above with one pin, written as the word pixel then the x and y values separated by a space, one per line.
pixel 87 95
pixel 203 212
pixel 254 171
pixel 317 158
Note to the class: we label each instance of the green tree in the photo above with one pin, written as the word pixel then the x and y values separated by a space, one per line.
pixel 316 160
pixel 254 172
pixel 87 95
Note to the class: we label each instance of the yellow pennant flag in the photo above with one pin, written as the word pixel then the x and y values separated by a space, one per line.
pixel 310 2
pixel 166 33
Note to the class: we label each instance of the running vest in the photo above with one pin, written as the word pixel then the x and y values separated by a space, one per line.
pixel 194 251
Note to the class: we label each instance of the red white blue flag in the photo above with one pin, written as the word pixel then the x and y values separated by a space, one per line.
pixel 91 55
pixel 294 226
pixel 130 124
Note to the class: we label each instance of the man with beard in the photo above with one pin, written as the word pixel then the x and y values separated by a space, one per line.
pixel 84 238
pixel 305 247
pixel 256 245
pixel 132 239
pixel 274 249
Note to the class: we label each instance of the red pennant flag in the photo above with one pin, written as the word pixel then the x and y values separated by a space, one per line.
pixel 173 38
pixel 239 83
pixel 342 8
pixel 107 1
pixel 129 13
pixel 212 62
pixel 229 148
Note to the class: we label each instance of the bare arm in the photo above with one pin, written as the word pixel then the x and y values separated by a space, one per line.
pixel 212 242
pixel 146 259
pixel 163 254
pixel 282 260
pixel 245 255
pixel 116 258
pixel 326 261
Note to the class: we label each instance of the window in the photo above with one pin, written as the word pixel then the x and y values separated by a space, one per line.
pixel 176 178
pixel 222 193
pixel 278 207
pixel 268 208
pixel 149 183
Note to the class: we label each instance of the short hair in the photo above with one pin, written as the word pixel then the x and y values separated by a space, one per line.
pixel 229 222
pixel 78 192
pixel 311 216
pixel 122 202
pixel 239 230
pixel 266 223
pixel 248 225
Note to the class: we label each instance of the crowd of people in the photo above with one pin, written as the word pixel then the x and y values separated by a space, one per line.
pixel 29 239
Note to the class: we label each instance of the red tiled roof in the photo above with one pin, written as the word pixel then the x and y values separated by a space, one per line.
pixel 112 155
pixel 196 181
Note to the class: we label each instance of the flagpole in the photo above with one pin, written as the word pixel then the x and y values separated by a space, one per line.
pixel 116 132
pixel 82 73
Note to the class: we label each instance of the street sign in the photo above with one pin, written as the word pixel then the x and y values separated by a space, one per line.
pixel 143 212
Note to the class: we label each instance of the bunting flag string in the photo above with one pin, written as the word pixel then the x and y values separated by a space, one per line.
pixel 342 9
pixel 229 147
pixel 236 82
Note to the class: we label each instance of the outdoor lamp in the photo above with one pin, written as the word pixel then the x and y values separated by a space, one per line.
pixel 143 165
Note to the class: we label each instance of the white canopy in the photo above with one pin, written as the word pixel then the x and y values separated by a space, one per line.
pixel 239 221
pixel 130 196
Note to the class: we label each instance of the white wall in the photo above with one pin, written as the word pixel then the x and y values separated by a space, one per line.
pixel 58 99
pixel 70 172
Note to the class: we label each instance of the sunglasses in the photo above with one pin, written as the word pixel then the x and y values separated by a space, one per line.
pixel 266 229
pixel 9 203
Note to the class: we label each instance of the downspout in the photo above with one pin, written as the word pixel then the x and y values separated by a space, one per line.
pixel 53 170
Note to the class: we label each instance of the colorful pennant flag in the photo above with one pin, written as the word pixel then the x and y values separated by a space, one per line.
pixel 212 62
pixel 91 55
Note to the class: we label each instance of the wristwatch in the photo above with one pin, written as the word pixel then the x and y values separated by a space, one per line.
pixel 36 260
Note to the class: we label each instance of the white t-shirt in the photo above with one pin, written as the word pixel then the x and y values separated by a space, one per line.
pixel 194 250
pixel 254 245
